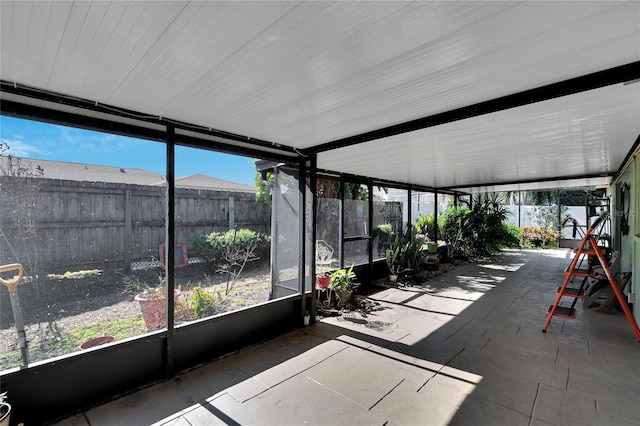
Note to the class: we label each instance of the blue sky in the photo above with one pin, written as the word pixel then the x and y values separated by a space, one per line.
pixel 38 140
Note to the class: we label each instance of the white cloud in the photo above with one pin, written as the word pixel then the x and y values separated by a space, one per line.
pixel 19 148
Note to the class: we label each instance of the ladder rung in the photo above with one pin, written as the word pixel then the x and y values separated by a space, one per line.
pixel 562 311
pixel 585 251
pixel 578 272
pixel 571 292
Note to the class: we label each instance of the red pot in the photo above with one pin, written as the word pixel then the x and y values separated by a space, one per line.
pixel 153 309
pixel 97 341
pixel 323 282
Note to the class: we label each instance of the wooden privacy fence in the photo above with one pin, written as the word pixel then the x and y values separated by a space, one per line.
pixel 92 224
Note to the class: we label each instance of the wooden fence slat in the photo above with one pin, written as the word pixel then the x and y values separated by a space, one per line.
pixel 82 223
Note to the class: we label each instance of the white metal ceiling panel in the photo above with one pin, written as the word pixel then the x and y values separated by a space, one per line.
pixel 304 73
pixel 580 135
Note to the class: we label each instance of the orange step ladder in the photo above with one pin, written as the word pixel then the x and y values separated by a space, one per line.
pixel 588 247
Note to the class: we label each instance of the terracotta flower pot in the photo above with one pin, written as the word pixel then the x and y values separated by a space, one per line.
pixel 97 341
pixel 153 309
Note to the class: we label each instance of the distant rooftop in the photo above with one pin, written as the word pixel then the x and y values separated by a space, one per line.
pixel 94 173
pixel 200 181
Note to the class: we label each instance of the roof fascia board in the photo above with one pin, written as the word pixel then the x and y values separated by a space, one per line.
pixel 527 181
pixel 158 134
pixel 64 100
pixel 193 141
pixel 620 74
pixel 382 182
pixel 31 112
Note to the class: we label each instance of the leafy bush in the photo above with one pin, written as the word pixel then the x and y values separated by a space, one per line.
pixel 406 252
pixel 426 224
pixel 478 230
pixel 213 247
pixel 411 257
pixel 202 302
pixel 385 229
pixel 546 216
pixel 512 235
pixel 531 236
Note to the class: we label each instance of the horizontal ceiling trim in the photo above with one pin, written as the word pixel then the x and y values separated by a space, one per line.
pixel 31 112
pixel 220 146
pixel 620 74
pixel 526 181
pixel 382 182
pixel 44 95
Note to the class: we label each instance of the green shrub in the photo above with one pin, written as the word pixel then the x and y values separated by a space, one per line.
pixel 531 236
pixel 426 225
pixel 212 247
pixel 511 234
pixel 478 230
pixel 202 302
pixel 411 254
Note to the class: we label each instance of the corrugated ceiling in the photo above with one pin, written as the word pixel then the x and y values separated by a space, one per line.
pixel 303 74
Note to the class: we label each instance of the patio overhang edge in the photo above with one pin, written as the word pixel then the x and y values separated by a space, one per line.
pixel 621 74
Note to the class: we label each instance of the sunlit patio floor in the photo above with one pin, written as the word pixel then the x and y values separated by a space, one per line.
pixel 465 349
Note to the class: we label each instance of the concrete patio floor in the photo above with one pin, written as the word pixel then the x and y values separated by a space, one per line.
pixel 465 348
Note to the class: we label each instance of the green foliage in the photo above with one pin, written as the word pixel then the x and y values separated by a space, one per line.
pixel 355 191
pixel 264 190
pixel 411 258
pixel 385 229
pixel 214 246
pixel 426 224
pixel 342 279
pixel 120 329
pixel 512 235
pixel 531 236
pixel 405 253
pixel 478 230
pixel 572 196
pixel 393 256
pixel 202 302
pixel 546 217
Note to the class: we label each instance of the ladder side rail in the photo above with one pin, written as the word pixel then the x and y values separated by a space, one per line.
pixel 618 293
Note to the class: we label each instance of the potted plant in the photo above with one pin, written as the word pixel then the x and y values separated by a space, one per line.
pixel 5 410
pixel 324 255
pixel 153 303
pixel 393 257
pixel 342 282
pixel 384 232
pixel 324 279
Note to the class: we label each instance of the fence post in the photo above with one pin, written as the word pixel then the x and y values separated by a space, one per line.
pixel 232 212
pixel 127 230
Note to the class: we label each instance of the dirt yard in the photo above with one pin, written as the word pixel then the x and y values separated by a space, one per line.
pixel 63 311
